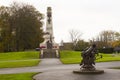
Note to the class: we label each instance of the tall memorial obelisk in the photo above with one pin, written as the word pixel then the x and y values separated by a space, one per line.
pixel 49 47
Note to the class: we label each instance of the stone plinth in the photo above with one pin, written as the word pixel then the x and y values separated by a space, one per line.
pixel 88 71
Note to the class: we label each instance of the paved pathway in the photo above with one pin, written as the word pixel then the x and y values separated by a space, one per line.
pixel 68 75
pixel 64 72
pixel 50 62
pixel 53 69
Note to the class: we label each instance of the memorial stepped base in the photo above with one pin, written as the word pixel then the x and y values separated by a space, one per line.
pixel 49 53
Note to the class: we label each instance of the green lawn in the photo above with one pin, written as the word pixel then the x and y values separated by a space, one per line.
pixel 15 64
pixel 70 57
pixel 115 68
pixel 73 57
pixel 19 55
pixel 19 59
pixel 18 76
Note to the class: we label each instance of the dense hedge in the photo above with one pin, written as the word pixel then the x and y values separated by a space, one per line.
pixel 106 50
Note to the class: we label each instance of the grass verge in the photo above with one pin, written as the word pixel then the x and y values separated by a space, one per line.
pixel 19 55
pixel 19 59
pixel 18 76
pixel 15 64
pixel 70 57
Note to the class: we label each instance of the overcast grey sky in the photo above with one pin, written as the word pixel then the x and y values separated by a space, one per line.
pixel 87 16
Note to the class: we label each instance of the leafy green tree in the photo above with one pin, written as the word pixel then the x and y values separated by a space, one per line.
pixel 5 33
pixel 20 27
pixel 26 22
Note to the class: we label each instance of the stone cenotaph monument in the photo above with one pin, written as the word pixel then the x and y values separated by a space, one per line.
pixel 49 49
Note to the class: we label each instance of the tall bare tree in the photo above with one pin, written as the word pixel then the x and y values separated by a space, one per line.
pixel 75 36
pixel 105 38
